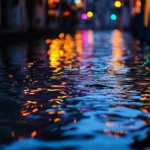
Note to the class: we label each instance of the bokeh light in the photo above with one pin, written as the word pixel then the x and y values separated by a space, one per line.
pixel 90 14
pixel 84 16
pixel 113 17
pixel 117 4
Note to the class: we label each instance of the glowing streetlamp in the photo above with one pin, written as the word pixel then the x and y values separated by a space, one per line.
pixel 90 14
pixel 117 4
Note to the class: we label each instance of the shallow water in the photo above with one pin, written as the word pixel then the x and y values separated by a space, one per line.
pixel 87 91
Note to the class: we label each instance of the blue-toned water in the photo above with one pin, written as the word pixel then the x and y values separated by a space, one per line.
pixel 85 91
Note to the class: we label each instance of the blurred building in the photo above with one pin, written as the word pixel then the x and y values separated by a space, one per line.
pixel 135 6
pixel 17 14
pixel 11 14
pixel 34 14
pixel 107 13
pixel 0 13
pixel 39 14
pixel 140 20
pixel 103 10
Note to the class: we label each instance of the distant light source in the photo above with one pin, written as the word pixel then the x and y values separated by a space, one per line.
pixel 90 14
pixel 66 13
pixel 113 17
pixel 51 12
pixel 61 35
pixel 146 14
pixel 117 4
pixel 77 1
pixel 84 16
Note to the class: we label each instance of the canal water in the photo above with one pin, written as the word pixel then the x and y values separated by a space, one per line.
pixel 85 91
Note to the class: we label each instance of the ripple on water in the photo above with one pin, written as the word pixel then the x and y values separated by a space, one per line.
pixel 77 91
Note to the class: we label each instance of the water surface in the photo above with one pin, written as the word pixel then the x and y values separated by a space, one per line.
pixel 90 90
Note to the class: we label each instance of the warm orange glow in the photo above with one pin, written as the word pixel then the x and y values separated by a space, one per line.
pixel 11 76
pixel 60 112
pixel 51 12
pixel 117 133
pixel 39 89
pixel 57 120
pixel 33 134
pixel 48 41
pixel 55 106
pixel 117 45
pixel 51 113
pixel 56 1
pixel 53 5
pixel 138 3
pixel 61 50
pixel 26 114
pixel 53 1
pixel 80 4
pixel 13 134
pixel 147 13
pixel 78 44
pixel 137 8
pixel 61 35
pixel 61 53
pixel 110 124
pixel 144 110
pixel 51 100
pixel 90 37
pixel 35 110
pixel 31 102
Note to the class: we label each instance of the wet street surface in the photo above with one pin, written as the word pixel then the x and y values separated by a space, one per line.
pixel 85 91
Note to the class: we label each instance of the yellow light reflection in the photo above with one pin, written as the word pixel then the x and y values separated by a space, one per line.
pixel 35 110
pixel 67 52
pixel 90 37
pixel 53 1
pixel 57 120
pixel 116 134
pixel 61 35
pixel 147 13
pixel 117 47
pixel 51 113
pixel 26 114
pixel 31 102
pixel 62 50
pixel 78 43
pixel 60 112
pixel 48 41
pixel 33 134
